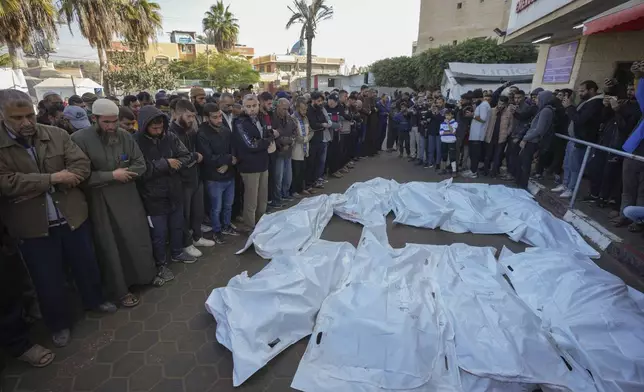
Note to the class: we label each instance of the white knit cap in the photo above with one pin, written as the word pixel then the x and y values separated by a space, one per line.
pixel 105 107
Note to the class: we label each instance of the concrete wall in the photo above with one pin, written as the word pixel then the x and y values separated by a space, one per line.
pixel 442 20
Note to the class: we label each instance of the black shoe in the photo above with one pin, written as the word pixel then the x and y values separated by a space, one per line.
pixel 218 238
pixel 590 199
pixel 229 231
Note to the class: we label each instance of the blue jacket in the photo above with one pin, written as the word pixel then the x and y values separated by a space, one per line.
pixel 402 122
pixel 383 109
pixel 637 136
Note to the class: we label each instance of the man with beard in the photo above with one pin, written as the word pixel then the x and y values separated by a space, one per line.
pixel 56 117
pixel 477 132
pixel 522 112
pixel 226 102
pixel 121 235
pixel 287 128
pixel 43 208
pixel 77 119
pixel 496 136
pixel 198 99
pixel 226 105
pixel 266 118
pixel 160 187
pixel 318 123
pixel 193 203
pixel 464 115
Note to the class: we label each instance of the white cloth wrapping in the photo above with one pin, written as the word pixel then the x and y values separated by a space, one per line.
pixel 590 313
pixel 259 317
pixel 291 230
pixel 366 203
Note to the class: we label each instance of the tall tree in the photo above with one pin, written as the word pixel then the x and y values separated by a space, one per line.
pixel 23 20
pixel 141 22
pixel 309 16
pixel 220 26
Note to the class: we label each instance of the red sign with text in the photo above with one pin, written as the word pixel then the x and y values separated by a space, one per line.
pixel 523 4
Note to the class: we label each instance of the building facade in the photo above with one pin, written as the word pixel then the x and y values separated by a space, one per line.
pixel 444 22
pixel 579 39
pixel 280 70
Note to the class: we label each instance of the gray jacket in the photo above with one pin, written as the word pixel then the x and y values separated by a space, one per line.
pixel 544 119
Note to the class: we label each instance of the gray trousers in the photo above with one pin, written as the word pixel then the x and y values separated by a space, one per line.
pixel 255 196
pixel 414 142
pixel 193 213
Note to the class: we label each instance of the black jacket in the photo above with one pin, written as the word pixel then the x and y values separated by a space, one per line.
pixel 587 120
pixel 464 122
pixel 522 118
pixel 190 172
pixel 316 119
pixel 216 148
pixel 251 145
pixel 160 185
pixel 433 128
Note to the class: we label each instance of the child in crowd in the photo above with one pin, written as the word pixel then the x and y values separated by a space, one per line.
pixel 448 141
pixel 127 120
pixel 402 125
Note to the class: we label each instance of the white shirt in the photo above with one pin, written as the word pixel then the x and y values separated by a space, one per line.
pixel 477 129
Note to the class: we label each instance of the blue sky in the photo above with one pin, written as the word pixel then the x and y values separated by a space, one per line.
pixel 362 31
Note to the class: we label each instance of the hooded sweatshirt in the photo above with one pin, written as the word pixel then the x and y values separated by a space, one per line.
pixel 543 121
pixel 190 172
pixel 160 185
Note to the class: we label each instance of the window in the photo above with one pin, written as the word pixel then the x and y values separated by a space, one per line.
pixel 285 68
pixel 161 60
pixel 186 48
pixel 459 6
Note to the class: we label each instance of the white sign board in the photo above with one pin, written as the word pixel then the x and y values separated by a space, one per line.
pixel 524 12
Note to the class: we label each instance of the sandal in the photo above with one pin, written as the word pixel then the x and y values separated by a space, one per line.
pixel 129 300
pixel 37 356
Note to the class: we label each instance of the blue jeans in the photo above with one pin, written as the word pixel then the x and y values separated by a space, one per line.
pixel 573 167
pixel 283 178
pixel 434 150
pixel 171 223
pixel 634 213
pixel 322 162
pixel 222 196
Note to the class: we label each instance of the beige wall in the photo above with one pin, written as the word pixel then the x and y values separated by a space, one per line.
pixel 597 57
pixel 442 20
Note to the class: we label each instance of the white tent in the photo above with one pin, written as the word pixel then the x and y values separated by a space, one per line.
pixel 66 87
pixel 462 77
pixel 12 79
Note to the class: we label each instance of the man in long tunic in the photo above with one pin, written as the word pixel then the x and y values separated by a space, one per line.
pixel 121 233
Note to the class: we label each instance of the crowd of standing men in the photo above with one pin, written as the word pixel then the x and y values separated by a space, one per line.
pixel 106 194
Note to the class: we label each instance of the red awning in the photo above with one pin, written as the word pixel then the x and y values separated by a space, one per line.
pixel 618 19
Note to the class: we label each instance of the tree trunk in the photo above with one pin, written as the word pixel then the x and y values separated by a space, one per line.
pixel 13 55
pixel 309 61
pixel 102 69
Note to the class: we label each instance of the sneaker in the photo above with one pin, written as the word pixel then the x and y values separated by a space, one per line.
pixel 184 257
pixel 206 229
pixel 288 198
pixel 566 194
pixel 306 192
pixel 507 177
pixel 192 251
pixel 229 231
pixel 219 238
pixel 318 185
pixel 590 199
pixel 344 170
pixel 157 281
pixel 203 242
pixel 466 173
pixel 560 188
pixel 276 206
pixel 165 273
pixel 337 175
pixel 61 338
pixel 296 196
pixel 537 177
pixel 106 307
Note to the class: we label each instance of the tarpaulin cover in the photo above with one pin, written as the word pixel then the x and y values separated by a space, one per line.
pixel 589 312
pixel 484 209
pixel 366 202
pixel 291 230
pixel 259 317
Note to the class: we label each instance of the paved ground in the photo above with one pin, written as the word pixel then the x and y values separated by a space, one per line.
pixel 168 342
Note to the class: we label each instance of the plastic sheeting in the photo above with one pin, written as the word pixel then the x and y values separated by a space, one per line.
pixel 590 313
pixel 366 203
pixel 291 230
pixel 259 317
pixel 484 209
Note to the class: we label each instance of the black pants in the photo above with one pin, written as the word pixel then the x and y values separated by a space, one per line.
pixel 193 213
pixel 546 156
pixel 46 259
pixel 596 171
pixel 392 137
pixel 493 155
pixel 172 225
pixel 403 143
pixel 299 170
pixel 334 159
pixel 525 158
pixel 558 148
pixel 475 155
pixel 449 152
pixel 612 182
pixel 313 161
pixel 238 204
pixel 512 157
pixel 13 331
pixel 632 183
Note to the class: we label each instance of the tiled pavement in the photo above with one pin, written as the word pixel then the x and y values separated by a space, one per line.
pixel 167 343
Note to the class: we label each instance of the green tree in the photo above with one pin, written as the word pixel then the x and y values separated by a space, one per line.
pixel 218 70
pixel 396 72
pixel 23 20
pixel 309 16
pixel 5 60
pixel 220 27
pixel 131 74
pixel 141 22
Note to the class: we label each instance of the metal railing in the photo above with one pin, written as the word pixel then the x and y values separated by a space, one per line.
pixel 589 149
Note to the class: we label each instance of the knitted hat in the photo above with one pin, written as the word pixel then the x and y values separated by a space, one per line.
pixel 89 97
pixel 105 107
pixel 195 91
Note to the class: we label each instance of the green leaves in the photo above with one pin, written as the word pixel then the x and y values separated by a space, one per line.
pixel 218 70
pixel 427 67
pixel 130 73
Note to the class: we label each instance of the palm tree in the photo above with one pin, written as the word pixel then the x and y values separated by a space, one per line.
pixel 21 20
pixel 141 21
pixel 309 16
pixel 220 26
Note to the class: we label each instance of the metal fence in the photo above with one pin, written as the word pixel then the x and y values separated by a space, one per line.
pixel 589 149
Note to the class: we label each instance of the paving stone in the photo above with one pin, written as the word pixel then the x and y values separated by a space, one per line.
pixel 35 379
pixel 91 378
pixel 59 384
pixel 201 283
pixel 154 295
pixel 225 366
pixel 85 328
pixel 144 340
pixel 160 352
pixel 63 353
pixel 114 320
pixel 145 378
pixel 169 304
pixel 168 385
pixel 194 297
pixel 112 352
pixel 211 332
pixel 142 312
pixel 96 341
pixel 201 321
pixel 185 312
pixel 113 385
pixel 77 364
pixel 177 289
pixel 157 321
pixel 280 385
pixel 128 331
pixel 127 365
pixel 179 365
pixel 210 353
pixel 200 379
pixel 191 341
pixel 173 331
